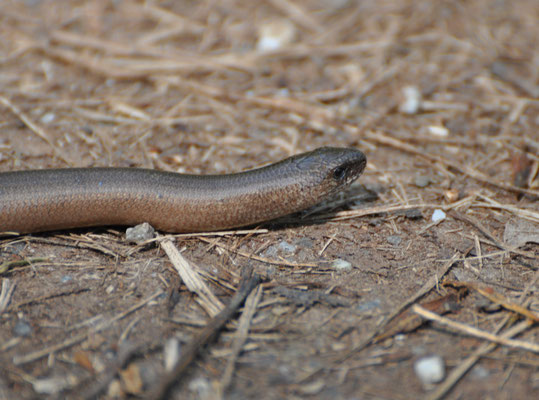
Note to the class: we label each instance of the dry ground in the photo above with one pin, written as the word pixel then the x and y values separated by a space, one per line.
pixel 442 96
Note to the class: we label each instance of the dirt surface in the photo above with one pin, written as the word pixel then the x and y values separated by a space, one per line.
pixel 442 96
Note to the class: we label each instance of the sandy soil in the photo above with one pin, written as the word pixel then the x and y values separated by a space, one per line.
pixel 442 96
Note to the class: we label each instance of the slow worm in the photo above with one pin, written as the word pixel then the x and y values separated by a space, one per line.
pixel 51 199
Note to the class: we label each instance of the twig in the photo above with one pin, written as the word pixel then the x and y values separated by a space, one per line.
pixel 528 214
pixel 470 330
pixel 53 295
pixel 427 287
pixel 5 266
pixel 459 371
pixel 238 232
pixel 5 294
pixel 211 330
pixel 39 131
pixel 481 228
pixel 497 298
pixel 192 279
pixel 243 330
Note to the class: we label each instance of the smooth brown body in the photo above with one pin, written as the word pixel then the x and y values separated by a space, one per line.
pixel 42 200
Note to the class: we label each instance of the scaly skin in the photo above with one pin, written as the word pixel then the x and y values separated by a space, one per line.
pixel 44 200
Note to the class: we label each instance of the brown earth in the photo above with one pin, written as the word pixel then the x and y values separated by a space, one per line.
pixel 442 96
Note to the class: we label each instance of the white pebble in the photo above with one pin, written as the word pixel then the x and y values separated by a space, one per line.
pixel 437 130
pixel 171 353
pixel 430 369
pixel 140 233
pixel 48 118
pixel 412 100
pixel 53 385
pixel 438 215
pixel 341 265
pixel 273 35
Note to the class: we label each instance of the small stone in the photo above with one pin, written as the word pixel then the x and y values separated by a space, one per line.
pixel 412 100
pixel 275 34
pixel 440 131
pixel 413 213
pixel 400 337
pixel 451 195
pixel 312 388
pixel 376 187
pixel 287 247
pixel 66 279
pixel 48 118
pixel 140 233
pixel 430 369
pixel 171 353
pixel 422 181
pixel 22 328
pixel 341 265
pixel 480 372
pixel 53 385
pixel 394 240
pixel 369 305
pixel 438 215
pixel 375 222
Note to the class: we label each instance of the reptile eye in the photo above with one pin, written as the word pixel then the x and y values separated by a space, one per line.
pixel 339 173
